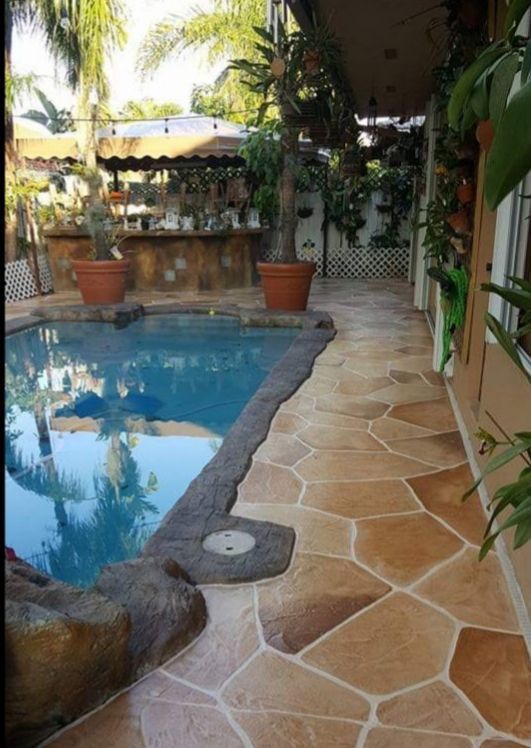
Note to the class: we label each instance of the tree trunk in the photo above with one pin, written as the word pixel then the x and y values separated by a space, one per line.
pixel 288 221
pixel 10 223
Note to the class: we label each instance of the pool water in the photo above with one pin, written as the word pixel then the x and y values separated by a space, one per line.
pixel 106 427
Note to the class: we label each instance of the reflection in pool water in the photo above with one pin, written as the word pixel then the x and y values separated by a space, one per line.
pixel 105 428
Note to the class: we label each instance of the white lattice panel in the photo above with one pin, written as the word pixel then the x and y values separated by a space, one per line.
pixel 358 262
pixel 19 282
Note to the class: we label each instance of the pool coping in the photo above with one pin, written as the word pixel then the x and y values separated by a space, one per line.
pixel 205 506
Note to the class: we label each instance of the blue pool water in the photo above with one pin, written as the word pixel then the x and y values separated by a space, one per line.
pixel 106 427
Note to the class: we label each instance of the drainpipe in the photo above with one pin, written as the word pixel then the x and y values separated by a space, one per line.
pixel 325 229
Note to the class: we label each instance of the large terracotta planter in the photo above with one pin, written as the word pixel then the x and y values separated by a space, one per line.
pixel 286 286
pixel 101 281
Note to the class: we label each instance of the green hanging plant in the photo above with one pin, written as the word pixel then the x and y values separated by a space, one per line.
pixel 454 289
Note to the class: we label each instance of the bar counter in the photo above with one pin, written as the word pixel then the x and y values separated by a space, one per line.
pixel 165 260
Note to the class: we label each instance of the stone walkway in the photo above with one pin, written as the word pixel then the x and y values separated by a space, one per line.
pixel 385 631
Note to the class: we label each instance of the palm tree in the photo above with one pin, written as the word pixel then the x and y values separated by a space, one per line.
pixel 225 31
pixel 150 109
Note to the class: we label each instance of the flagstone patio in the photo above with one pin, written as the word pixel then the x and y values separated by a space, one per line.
pixel 385 631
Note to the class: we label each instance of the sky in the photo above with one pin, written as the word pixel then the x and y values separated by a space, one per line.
pixel 173 82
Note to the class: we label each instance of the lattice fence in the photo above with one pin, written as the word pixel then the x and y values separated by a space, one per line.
pixel 357 262
pixel 20 283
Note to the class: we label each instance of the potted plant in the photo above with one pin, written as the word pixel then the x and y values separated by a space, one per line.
pixel 101 278
pixel 286 283
pixel 305 211
pixel 465 193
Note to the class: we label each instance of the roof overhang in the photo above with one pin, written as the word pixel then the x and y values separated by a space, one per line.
pixel 389 46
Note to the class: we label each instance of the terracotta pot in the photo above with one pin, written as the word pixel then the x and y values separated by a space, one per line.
pixel 465 193
pixel 485 134
pixel 312 61
pixel 459 222
pixel 286 286
pixel 101 281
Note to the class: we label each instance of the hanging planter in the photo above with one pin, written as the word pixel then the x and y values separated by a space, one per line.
pixel 465 193
pixel 485 134
pixel 305 212
pixel 459 222
pixel 312 61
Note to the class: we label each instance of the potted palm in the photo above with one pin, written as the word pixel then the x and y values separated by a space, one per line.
pixel 295 91
pixel 101 278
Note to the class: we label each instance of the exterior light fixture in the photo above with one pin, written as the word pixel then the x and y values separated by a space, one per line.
pixel 372 111
pixel 64 20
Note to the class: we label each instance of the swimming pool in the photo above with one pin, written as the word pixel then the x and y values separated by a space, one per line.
pixel 106 428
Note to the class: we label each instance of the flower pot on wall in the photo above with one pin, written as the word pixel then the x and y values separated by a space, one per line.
pixel 465 193
pixel 312 61
pixel 286 285
pixel 485 134
pixel 459 222
pixel 101 281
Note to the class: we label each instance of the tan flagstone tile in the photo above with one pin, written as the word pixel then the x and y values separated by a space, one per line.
pixel 375 355
pixel 296 689
pixel 416 350
pixel 367 368
pixel 361 407
pixel 434 707
pixel 395 643
pixel 501 743
pixel 362 385
pixel 329 359
pixel 433 377
pixel 405 547
pixel 229 639
pixel 411 363
pixel 314 596
pixel 316 532
pixel 409 393
pixel 268 729
pixel 328 437
pixel 338 374
pixel 405 377
pixel 389 428
pixel 443 450
pixel 281 449
pixel 317 385
pixel 190 726
pixel 356 499
pixel 334 465
pixel 386 737
pixel 441 493
pixel 493 670
pixel 120 722
pixel 287 423
pixel 268 483
pixel 433 414
pixel 336 419
pixel 474 591
pixel 298 404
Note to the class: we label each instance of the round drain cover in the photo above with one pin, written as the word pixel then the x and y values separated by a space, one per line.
pixel 229 542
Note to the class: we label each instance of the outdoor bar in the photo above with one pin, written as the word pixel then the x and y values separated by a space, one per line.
pixel 180 198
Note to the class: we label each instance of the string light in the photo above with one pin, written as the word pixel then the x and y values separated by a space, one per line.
pixel 113 128
pixel 166 130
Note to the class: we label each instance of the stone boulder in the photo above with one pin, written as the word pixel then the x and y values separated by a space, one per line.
pixel 166 612
pixel 66 652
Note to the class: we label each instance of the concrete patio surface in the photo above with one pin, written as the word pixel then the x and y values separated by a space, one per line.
pixel 385 631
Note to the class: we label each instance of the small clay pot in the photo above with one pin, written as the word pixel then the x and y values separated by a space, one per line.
pixel 459 222
pixel 465 193
pixel 485 134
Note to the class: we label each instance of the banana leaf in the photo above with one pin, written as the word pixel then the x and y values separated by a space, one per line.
pixel 509 159
pixel 466 82
pixel 515 13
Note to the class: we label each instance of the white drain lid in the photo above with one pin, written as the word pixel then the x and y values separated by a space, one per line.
pixel 229 542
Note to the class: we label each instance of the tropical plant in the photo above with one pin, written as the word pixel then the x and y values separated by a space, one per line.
pixel 56 120
pixel 150 109
pixel 515 496
pixel 263 157
pixel 454 288
pixel 283 80
pixel 484 92
pixel 223 31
